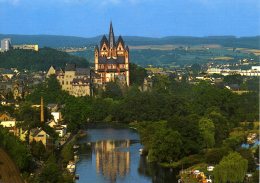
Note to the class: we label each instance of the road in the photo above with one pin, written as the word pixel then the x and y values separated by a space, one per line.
pixel 9 172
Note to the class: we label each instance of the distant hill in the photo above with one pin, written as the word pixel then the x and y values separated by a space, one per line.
pixel 66 41
pixel 42 60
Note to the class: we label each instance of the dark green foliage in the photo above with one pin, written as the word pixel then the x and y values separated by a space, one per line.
pixel 67 153
pixel 188 127
pixel 256 176
pixel 41 60
pixel 166 146
pixel 252 84
pixel 112 90
pixel 137 74
pixel 51 92
pixel 213 156
pixel 233 79
pixel 51 172
pixel 38 150
pixel 248 155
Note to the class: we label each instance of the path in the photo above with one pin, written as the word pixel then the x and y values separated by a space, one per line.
pixel 9 173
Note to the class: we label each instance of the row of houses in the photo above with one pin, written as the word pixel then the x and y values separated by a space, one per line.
pixel 254 71
pixel 37 134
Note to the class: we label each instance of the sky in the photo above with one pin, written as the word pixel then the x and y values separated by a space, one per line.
pixel 151 18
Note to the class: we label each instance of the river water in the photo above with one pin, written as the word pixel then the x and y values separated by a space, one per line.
pixel 112 155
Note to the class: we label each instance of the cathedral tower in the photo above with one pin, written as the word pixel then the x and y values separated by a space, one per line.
pixel 112 59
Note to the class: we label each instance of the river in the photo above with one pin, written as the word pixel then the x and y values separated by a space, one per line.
pixel 113 156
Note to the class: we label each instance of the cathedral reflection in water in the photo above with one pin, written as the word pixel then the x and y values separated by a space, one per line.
pixel 112 158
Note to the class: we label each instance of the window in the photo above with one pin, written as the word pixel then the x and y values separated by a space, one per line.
pixel 40 135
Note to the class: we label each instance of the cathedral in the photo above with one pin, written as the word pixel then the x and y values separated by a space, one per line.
pixel 112 59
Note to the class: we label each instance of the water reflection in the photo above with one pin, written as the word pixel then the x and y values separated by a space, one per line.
pixel 112 155
pixel 112 158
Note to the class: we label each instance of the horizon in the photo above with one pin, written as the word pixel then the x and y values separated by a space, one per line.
pixel 140 18
pixel 179 36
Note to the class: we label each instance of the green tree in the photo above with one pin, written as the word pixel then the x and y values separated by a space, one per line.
pixel 232 168
pixel 137 74
pixel 207 131
pixel 166 146
pixel 67 152
pixel 112 90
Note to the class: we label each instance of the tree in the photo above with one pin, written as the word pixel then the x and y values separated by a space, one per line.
pixel 214 156
pixel 137 74
pixel 248 155
pixel 207 131
pixel 233 79
pixel 232 168
pixel 221 124
pixel 51 172
pixel 162 143
pixel 67 152
pixel 112 90
pixel 188 127
pixel 38 150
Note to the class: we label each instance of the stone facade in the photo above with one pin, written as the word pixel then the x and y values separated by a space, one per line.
pixel 76 81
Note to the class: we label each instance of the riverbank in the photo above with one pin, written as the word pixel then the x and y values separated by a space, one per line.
pixel 116 125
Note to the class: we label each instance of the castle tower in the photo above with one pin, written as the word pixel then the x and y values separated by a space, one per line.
pixel 42 111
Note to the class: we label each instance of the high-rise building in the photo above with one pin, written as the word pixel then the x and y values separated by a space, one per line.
pixel 5 44
pixel 112 59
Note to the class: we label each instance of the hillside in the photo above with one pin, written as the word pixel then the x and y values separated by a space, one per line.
pixel 66 41
pixel 42 60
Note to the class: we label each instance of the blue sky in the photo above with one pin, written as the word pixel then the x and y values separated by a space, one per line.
pixel 154 18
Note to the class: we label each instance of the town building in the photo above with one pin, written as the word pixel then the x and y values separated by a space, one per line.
pixel 112 59
pixel 38 134
pixel 33 47
pixel 6 44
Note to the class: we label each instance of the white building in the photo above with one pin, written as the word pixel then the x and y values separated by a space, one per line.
pixel 56 116
pixel 5 44
pixel 254 71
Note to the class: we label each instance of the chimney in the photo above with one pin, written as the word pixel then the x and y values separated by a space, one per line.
pixel 42 111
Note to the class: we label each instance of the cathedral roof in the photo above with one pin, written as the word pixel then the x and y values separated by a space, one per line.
pixel 120 40
pixel 105 60
pixel 104 40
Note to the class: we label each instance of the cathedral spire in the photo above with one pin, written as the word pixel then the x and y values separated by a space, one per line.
pixel 111 36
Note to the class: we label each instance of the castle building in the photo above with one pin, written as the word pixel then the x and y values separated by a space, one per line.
pixel 112 59
pixel 77 81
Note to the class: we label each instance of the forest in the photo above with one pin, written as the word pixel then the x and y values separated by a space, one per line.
pixel 41 60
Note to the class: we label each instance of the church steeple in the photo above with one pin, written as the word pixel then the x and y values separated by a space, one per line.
pixel 111 39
